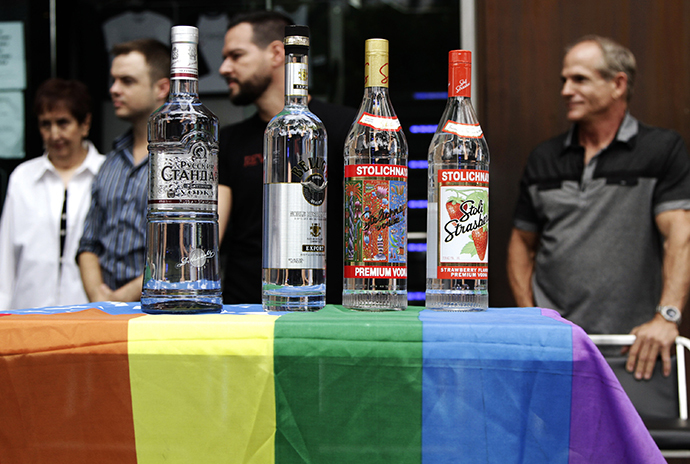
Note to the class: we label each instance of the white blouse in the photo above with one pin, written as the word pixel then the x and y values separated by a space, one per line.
pixel 31 275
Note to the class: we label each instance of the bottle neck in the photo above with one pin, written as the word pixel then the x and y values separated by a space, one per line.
pixel 376 94
pixel 296 79
pixel 460 110
pixel 372 89
pixel 460 100
pixel 184 74
pixel 377 102
pixel 184 86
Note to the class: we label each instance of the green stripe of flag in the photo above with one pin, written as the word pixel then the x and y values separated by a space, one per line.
pixel 348 387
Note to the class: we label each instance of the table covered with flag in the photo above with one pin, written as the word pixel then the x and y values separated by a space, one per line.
pixel 106 383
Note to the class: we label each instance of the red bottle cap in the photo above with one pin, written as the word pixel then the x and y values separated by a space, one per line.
pixel 459 73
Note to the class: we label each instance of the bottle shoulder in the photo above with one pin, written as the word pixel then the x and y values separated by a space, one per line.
pixel 183 108
pixel 296 116
pixel 460 110
pixel 459 139
pixel 376 135
pixel 366 143
pixel 377 102
pixel 174 123
pixel 453 150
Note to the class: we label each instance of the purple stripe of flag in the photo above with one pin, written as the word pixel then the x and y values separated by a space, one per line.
pixel 605 427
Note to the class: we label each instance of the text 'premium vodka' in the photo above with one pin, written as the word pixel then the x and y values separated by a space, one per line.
pixel 375 197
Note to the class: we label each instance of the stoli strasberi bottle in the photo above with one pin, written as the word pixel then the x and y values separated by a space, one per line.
pixel 182 270
pixel 375 200
pixel 458 200
pixel 294 228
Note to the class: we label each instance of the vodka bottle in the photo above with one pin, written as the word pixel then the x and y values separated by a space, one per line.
pixel 375 200
pixel 458 201
pixel 182 269
pixel 294 226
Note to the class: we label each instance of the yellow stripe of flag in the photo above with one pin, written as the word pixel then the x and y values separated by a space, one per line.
pixel 222 365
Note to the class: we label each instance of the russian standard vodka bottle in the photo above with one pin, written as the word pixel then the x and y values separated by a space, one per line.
pixel 375 200
pixel 294 226
pixel 182 271
pixel 458 206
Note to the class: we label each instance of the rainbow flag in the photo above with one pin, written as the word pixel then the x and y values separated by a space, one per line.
pixel 105 383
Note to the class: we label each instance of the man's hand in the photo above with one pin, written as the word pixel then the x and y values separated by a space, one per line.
pixel 654 338
pixel 131 291
pixel 657 336
pixel 103 293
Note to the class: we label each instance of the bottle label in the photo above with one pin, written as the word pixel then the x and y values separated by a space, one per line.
pixel 471 131
pixel 384 123
pixel 463 224
pixel 184 175
pixel 375 221
pixel 294 229
pixel 297 79
pixel 183 61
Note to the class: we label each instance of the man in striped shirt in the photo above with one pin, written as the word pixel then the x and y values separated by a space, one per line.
pixel 111 253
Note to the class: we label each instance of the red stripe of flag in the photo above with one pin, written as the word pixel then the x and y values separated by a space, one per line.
pixel 51 405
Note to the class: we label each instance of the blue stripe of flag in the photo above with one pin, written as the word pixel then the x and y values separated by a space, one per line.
pixel 481 372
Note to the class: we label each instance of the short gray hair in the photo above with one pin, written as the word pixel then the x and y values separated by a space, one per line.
pixel 617 58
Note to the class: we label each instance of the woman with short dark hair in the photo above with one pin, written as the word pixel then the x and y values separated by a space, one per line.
pixel 47 200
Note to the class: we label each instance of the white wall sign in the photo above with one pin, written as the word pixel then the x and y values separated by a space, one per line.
pixel 12 60
pixel 11 124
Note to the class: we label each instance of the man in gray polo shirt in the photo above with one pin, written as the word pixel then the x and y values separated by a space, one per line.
pixel 602 224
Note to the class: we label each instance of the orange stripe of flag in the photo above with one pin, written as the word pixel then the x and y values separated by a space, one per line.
pixel 52 405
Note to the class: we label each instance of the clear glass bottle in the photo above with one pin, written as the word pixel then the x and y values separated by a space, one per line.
pixel 294 226
pixel 182 272
pixel 458 200
pixel 375 199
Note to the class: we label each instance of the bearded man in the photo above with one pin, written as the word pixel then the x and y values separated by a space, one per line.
pixel 254 67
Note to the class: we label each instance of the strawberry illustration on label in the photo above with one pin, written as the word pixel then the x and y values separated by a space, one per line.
pixel 454 210
pixel 480 238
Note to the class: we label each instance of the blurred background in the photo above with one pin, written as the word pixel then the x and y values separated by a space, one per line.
pixel 517 51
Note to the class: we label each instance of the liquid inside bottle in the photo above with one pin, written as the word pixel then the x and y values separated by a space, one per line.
pixel 458 202
pixel 182 272
pixel 294 236
pixel 375 198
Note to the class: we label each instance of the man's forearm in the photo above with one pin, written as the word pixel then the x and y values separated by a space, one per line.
pixel 520 265
pixel 676 264
pixel 224 209
pixel 91 276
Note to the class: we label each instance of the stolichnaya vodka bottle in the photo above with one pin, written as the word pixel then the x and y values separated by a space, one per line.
pixel 458 201
pixel 294 226
pixel 182 269
pixel 375 198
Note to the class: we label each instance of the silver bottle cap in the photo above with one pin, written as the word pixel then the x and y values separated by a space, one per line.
pixel 188 34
